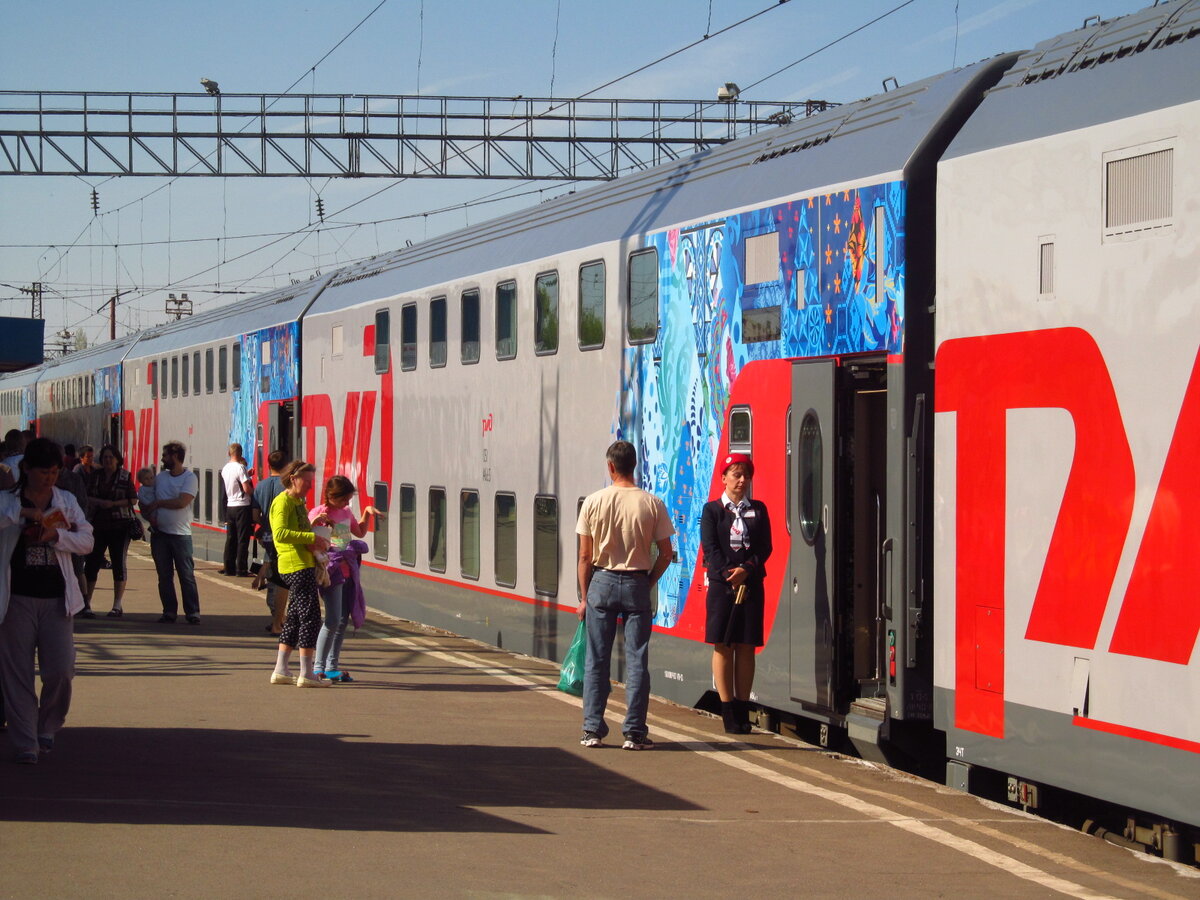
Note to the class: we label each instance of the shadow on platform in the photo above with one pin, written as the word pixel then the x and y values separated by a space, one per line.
pixel 327 782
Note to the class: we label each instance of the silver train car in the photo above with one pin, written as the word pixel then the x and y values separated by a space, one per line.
pixel 954 323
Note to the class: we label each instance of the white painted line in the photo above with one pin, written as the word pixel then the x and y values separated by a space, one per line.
pixel 915 826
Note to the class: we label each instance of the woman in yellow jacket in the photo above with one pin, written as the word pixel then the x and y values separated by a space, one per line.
pixel 295 543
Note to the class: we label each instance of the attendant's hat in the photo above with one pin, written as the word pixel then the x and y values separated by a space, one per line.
pixel 734 459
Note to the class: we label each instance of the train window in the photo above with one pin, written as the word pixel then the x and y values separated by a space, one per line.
pixel 174 376
pixel 196 372
pixel 762 324
pixel 208 371
pixel 264 352
pixel 408 524
pixel 237 365
pixel 208 495
pixel 506 320
pixel 381 497
pixel 545 323
pixel 383 340
pixel 1046 267
pixel 470 327
pixel 642 321
pixel 222 500
pixel 740 430
pixel 196 501
pixel 187 365
pixel 337 341
pixel 408 337
pixel 810 473
pixel 152 380
pixel 762 258
pixel 437 333
pixel 545 545
pixel 591 306
pixel 506 539
pixel 437 529
pixel 468 529
pixel 223 369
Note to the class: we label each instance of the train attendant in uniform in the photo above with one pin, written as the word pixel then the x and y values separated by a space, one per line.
pixel 294 543
pixel 735 534
pixel 40 527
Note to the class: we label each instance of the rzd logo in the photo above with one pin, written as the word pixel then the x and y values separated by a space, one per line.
pixel 980 379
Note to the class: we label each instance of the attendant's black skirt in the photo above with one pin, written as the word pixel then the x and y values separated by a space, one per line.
pixel 747 617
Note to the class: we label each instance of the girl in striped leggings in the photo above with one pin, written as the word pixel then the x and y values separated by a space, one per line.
pixel 295 543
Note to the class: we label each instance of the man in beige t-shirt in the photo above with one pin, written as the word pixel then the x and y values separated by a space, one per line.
pixel 617 528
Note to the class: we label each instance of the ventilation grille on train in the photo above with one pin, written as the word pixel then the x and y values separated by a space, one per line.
pixel 1137 192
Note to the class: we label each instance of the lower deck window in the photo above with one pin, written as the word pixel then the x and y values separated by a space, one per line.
pixel 437 529
pixel 408 524
pixel 506 540
pixel 380 499
pixel 545 545
pixel 468 527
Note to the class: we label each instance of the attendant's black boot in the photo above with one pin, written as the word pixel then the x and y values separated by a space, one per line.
pixel 742 716
pixel 729 717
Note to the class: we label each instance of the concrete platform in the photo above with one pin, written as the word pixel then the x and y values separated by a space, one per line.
pixel 452 769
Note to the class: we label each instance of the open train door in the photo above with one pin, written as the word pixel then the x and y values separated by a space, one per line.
pixel 810 583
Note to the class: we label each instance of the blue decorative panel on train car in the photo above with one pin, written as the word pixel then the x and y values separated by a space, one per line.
pixel 269 371
pixel 811 265
pixel 108 387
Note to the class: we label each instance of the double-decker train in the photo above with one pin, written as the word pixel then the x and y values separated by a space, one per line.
pixel 956 324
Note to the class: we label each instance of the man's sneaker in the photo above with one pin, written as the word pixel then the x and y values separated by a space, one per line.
pixel 591 739
pixel 637 742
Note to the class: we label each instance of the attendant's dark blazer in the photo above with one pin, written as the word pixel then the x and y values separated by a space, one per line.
pixel 715 522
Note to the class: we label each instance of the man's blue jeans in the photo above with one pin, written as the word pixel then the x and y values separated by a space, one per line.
pixel 173 553
pixel 613 594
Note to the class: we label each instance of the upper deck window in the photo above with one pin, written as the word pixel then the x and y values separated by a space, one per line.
pixel 545 329
pixel 470 327
pixel 591 305
pixel 408 337
pixel 437 332
pixel 506 320
pixel 642 323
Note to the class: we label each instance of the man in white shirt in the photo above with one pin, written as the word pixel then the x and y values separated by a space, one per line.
pixel 238 523
pixel 175 489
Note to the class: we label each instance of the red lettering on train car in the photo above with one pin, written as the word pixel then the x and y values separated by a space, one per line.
pixel 1160 617
pixel 351 455
pixel 980 379
pixel 317 414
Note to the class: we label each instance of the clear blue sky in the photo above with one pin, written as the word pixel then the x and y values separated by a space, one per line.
pixel 460 47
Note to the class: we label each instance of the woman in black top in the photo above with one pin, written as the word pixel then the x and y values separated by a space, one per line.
pixel 111 497
pixel 735 534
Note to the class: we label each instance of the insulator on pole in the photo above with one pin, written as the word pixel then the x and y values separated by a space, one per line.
pixel 95 201
pixel 320 209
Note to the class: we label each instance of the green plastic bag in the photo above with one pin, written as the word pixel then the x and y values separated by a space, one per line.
pixel 571 679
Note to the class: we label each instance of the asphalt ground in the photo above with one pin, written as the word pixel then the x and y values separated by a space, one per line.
pixel 454 769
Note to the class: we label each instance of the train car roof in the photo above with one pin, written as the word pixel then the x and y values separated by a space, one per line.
pixel 1140 62
pixel 240 317
pixel 89 360
pixel 22 378
pixel 870 138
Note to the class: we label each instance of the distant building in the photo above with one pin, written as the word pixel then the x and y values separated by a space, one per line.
pixel 21 343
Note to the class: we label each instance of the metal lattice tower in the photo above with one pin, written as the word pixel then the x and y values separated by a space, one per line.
pixel 363 136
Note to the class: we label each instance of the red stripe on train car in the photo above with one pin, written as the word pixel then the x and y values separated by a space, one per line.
pixel 1137 734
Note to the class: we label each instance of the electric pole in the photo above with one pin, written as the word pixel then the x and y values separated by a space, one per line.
pixel 112 311
pixel 35 293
